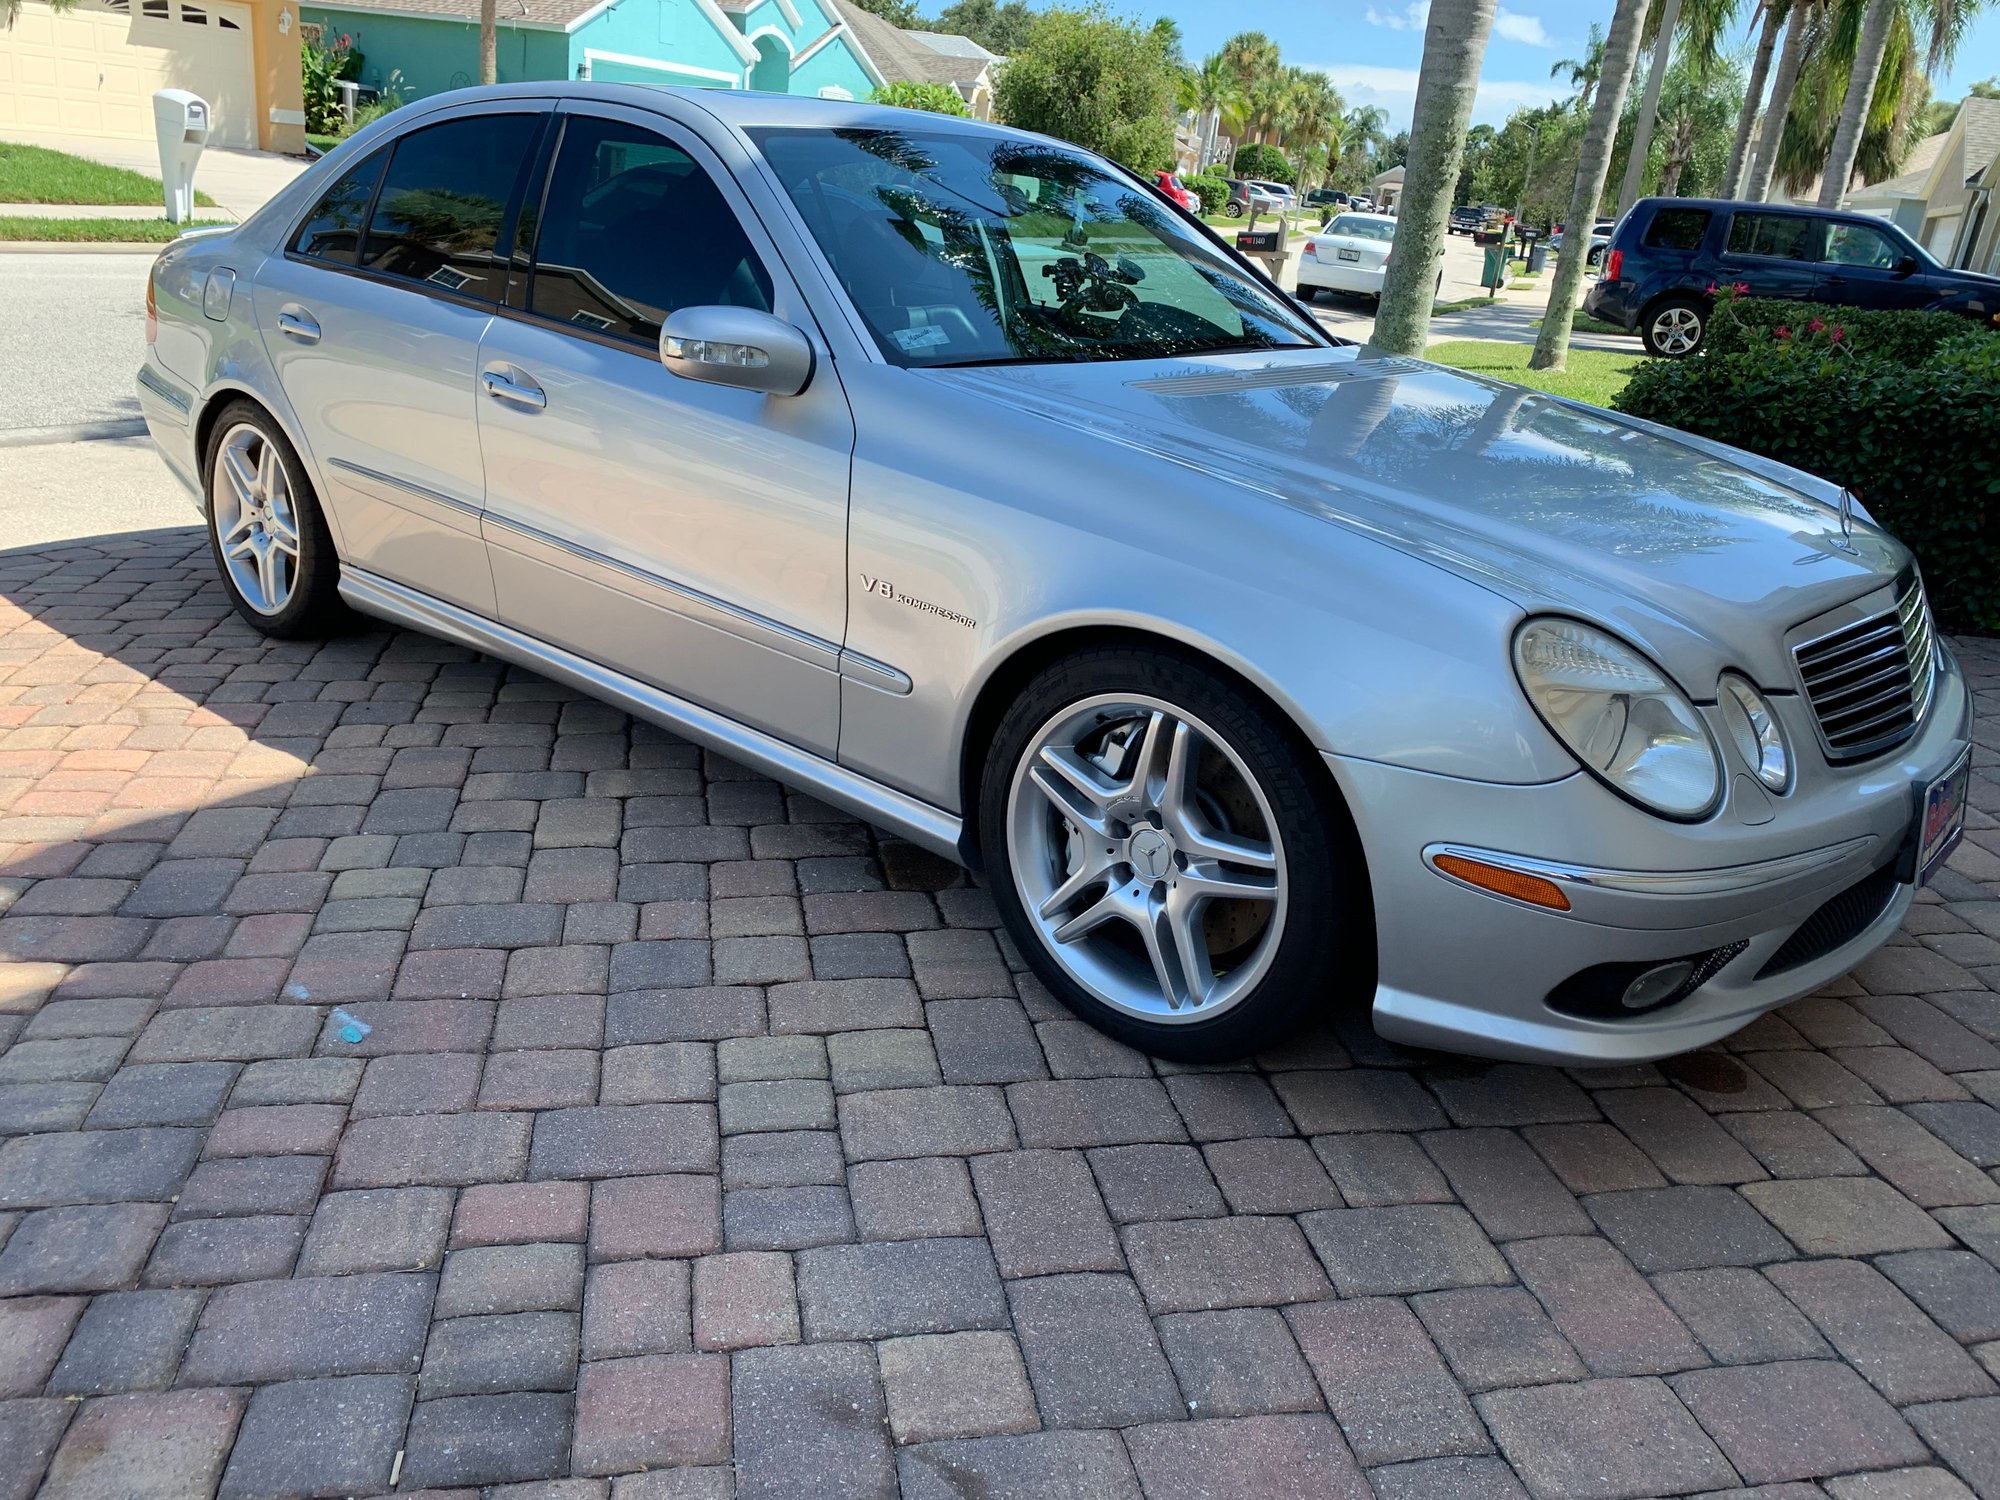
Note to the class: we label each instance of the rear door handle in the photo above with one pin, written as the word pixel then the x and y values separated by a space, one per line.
pixel 502 385
pixel 294 322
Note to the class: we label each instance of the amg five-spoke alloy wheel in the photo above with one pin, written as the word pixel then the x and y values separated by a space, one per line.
pixel 270 542
pixel 1170 864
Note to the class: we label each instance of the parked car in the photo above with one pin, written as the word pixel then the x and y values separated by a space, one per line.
pixel 1361 203
pixel 1326 198
pixel 1668 255
pixel 1349 254
pixel 929 467
pixel 1171 184
pixel 1249 196
pixel 1465 221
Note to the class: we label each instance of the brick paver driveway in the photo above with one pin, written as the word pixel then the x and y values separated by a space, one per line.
pixel 704 1143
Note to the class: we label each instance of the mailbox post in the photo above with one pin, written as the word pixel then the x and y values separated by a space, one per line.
pixel 181 122
pixel 1265 246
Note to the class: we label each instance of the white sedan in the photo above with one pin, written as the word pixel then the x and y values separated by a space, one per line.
pixel 1350 254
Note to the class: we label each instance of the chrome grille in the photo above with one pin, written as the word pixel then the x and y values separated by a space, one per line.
pixel 1870 681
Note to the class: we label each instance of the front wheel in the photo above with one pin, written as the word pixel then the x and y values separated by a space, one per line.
pixel 1169 859
pixel 270 542
pixel 1674 327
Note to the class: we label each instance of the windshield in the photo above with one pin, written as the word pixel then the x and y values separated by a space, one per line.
pixel 1356 227
pixel 974 249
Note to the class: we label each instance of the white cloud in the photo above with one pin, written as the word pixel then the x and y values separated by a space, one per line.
pixel 1411 17
pixel 1515 27
pixel 1395 90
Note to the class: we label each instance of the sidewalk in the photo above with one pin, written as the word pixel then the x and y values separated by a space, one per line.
pixel 240 181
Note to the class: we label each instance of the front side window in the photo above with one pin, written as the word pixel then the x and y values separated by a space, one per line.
pixel 332 231
pixel 1859 245
pixel 970 249
pixel 1678 229
pixel 444 201
pixel 1781 236
pixel 634 229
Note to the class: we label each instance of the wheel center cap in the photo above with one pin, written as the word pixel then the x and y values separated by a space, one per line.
pixel 1150 852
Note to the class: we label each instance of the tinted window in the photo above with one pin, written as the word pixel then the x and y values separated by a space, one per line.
pixel 444 201
pixel 959 247
pixel 1858 245
pixel 634 229
pixel 1678 228
pixel 1786 236
pixel 333 230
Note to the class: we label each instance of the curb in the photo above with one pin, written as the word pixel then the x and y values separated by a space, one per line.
pixel 82 247
pixel 82 432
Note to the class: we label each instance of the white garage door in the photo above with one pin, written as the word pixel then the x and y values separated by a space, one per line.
pixel 93 70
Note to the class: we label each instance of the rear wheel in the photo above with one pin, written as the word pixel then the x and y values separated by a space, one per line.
pixel 265 530
pixel 1674 327
pixel 1168 859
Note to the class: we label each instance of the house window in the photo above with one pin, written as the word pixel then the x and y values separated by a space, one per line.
pixel 155 10
pixel 194 17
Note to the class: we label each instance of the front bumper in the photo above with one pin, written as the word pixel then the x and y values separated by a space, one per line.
pixel 1466 971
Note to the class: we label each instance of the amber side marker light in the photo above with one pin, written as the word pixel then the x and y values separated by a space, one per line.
pixel 1529 888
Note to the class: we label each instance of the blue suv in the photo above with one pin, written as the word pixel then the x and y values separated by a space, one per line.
pixel 1668 255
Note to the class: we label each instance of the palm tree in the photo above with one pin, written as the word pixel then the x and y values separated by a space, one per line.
pixel 1315 112
pixel 1695 104
pixel 1584 72
pixel 1867 67
pixel 1454 47
pixel 1216 93
pixel 1753 94
pixel 1801 20
pixel 1621 56
pixel 1897 114
pixel 1702 24
pixel 1253 57
pixel 489 42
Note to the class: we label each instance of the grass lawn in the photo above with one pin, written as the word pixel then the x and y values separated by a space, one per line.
pixel 34 174
pixel 1463 304
pixel 1591 375
pixel 93 231
pixel 1583 322
pixel 323 143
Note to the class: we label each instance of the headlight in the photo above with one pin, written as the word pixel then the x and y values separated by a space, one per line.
pixel 1755 731
pixel 1619 715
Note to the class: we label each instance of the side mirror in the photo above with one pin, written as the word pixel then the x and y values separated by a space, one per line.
pixel 1907 266
pixel 737 346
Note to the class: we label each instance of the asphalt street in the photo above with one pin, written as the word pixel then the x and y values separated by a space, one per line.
pixel 72 332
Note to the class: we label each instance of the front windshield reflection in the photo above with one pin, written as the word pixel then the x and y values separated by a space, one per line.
pixel 967 248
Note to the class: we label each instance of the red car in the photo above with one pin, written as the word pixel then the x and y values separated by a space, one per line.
pixel 1171 185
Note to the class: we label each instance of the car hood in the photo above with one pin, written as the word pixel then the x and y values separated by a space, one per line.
pixel 1702 554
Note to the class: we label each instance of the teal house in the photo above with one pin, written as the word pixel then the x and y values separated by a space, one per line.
pixel 805 47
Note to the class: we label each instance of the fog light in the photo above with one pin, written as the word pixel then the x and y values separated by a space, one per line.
pixel 1656 985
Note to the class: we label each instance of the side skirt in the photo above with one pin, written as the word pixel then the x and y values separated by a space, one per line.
pixel 919 822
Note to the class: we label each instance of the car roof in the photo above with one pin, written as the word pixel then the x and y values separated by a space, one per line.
pixel 1378 218
pixel 745 109
pixel 1717 204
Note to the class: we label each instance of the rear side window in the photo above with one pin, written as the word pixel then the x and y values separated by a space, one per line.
pixel 635 229
pixel 332 231
pixel 1678 228
pixel 444 201
pixel 1783 236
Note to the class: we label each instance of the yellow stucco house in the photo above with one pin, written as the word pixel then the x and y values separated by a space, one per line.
pixel 91 69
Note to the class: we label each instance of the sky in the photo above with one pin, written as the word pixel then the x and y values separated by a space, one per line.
pixel 1371 48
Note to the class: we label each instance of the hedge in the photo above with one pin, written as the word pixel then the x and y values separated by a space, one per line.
pixel 1265 163
pixel 1212 191
pixel 1901 408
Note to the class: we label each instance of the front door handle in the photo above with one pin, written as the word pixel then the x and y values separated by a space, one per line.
pixel 505 385
pixel 294 322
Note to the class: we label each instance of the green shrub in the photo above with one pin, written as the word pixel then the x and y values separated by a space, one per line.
pixel 1917 441
pixel 1266 163
pixel 933 98
pixel 1908 338
pixel 1212 191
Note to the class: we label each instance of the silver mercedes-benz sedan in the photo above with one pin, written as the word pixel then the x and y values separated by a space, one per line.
pixel 954 475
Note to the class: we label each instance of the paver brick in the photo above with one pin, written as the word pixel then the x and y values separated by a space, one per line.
pixel 1384 1381
pixel 1505 1185
pixel 510 1278
pixel 79 1249
pixel 163 1446
pixel 1092 1354
pixel 127 1341
pixel 955 1385
pixel 1605 1308
pixel 915 1122
pixel 1271 1175
pixel 485 1355
pixel 380 1229
pixel 213 1252
pixel 921 1198
pixel 445 1150
pixel 1681 1228
pixel 1802 1420
pixel 1241 1261
pixel 1846 1216
pixel 319 1325
pixel 1739 1316
pixel 1398 1250
pixel 809 1419
pixel 1043 1214
pixel 1237 1362
pixel 1604 1440
pixel 624 1140
pixel 900 1287
pixel 318 1437
pixel 493 1439
pixel 1880 1332
pixel 97 1166
pixel 1497 1336
pixel 1029 1465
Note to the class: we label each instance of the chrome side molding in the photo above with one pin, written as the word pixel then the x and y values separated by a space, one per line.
pixel 930 827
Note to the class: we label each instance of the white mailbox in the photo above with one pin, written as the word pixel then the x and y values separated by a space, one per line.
pixel 181 121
